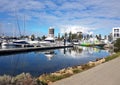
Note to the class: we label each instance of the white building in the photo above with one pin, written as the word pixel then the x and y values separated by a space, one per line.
pixel 116 33
pixel 50 36
pixel 51 32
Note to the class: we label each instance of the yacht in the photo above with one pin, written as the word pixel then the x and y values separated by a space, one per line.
pixel 48 42
pixel 15 43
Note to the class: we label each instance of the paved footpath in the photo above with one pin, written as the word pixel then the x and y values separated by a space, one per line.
pixel 105 74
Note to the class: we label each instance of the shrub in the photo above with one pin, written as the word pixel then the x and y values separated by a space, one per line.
pixel 117 45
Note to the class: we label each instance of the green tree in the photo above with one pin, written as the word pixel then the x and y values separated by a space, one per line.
pixel 43 37
pixel 100 37
pixel 62 37
pixel 117 45
pixel 80 36
pixel 105 37
pixel 38 38
pixel 88 36
pixel 65 35
pixel 110 37
pixel 32 37
pixel 70 36
pixel 91 36
pixel 74 36
pixel 58 36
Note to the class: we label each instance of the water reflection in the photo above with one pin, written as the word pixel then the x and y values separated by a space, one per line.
pixel 79 51
pixel 49 54
pixel 39 62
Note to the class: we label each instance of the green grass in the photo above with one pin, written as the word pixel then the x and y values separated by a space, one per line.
pixel 48 77
pixel 112 56
pixel 77 71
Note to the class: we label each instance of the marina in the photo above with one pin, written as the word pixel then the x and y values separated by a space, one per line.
pixel 28 49
pixel 39 62
pixel 43 41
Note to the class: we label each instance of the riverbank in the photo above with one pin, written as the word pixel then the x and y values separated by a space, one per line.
pixel 67 72
pixel 45 79
pixel 103 74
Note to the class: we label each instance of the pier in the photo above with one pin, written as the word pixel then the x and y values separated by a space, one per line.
pixel 28 49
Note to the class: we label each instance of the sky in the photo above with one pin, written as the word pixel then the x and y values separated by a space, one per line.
pixel 28 17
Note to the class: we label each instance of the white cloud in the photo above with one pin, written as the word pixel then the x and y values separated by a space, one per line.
pixel 75 15
pixel 75 29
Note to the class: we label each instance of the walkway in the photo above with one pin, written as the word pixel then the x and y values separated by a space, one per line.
pixel 104 74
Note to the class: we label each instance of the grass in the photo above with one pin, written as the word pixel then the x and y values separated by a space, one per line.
pixel 112 56
pixel 52 78
pixel 46 78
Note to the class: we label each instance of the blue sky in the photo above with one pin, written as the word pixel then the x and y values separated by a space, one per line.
pixel 88 16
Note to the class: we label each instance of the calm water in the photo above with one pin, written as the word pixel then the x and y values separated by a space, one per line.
pixel 39 62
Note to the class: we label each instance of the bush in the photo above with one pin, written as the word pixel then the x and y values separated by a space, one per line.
pixel 117 45
pixel 21 79
pixel 112 56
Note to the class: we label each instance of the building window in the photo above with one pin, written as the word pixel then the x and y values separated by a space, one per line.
pixel 116 30
pixel 117 35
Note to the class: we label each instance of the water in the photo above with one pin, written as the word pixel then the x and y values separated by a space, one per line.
pixel 39 62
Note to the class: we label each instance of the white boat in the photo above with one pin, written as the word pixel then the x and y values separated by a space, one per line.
pixel 15 43
pixel 48 42
pixel 34 43
pixel 6 44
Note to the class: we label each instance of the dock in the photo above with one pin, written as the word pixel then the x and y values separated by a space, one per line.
pixel 28 49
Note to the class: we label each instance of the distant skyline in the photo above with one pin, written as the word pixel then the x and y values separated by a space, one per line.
pixel 88 16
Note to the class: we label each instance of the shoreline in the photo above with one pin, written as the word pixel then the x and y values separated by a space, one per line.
pixel 46 79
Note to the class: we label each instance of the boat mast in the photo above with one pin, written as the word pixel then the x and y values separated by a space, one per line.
pixel 24 25
pixel 18 22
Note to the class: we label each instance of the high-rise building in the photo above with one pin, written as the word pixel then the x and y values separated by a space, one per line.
pixel 116 33
pixel 51 32
pixel 50 36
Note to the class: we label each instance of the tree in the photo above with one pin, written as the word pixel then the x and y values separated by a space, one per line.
pixel 43 37
pixel 70 36
pixel 105 37
pixel 100 37
pixel 80 36
pixel 62 37
pixel 91 36
pixel 97 37
pixel 38 38
pixel 88 36
pixel 117 45
pixel 110 38
pixel 74 36
pixel 65 35
pixel 32 37
pixel 58 36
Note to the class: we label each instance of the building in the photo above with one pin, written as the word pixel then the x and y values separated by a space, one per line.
pixel 50 36
pixel 116 33
pixel 51 32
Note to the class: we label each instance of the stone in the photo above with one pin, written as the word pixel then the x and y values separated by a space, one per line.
pixel 56 74
pixel 69 72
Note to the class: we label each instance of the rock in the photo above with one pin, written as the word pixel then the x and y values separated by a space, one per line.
pixel 79 67
pixel 69 72
pixel 62 71
pixel 56 74
pixel 90 63
pixel 49 83
pixel 69 68
pixel 102 60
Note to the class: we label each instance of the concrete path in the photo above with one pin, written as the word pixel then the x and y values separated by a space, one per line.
pixel 104 74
